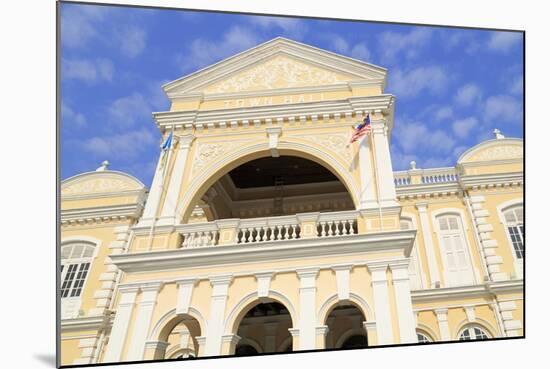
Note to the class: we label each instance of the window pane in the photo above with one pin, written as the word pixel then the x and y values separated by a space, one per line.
pixel 88 252
pixel 465 336
pixel 77 252
pixel 67 282
pixel 80 278
pixel 519 214
pixel 443 224
pixel 453 223
pixel 516 235
pixel 422 338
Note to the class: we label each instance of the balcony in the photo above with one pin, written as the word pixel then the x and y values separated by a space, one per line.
pixel 425 176
pixel 269 229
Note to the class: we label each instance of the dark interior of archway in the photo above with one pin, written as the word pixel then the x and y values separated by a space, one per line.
pixel 271 186
pixel 289 170
pixel 267 325
pixel 345 323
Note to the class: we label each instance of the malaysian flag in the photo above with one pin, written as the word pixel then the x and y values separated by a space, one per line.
pixel 361 129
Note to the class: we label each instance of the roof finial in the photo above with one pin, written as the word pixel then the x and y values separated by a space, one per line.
pixel 498 134
pixel 104 166
pixel 413 165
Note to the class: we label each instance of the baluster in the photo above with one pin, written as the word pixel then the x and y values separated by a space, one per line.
pixel 337 225
pixel 248 235
pixel 298 231
pixel 239 236
pixel 185 240
pixel 344 227
pixel 323 232
pixel 286 235
pixel 350 226
pixel 264 233
pixel 330 228
pixel 279 232
pixel 293 232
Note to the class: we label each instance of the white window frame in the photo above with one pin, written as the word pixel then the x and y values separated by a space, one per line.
pixel 421 276
pixel 459 213
pixel 429 338
pixel 501 209
pixel 470 328
pixel 70 305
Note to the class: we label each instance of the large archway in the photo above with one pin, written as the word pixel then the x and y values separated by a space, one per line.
pixel 264 328
pixel 206 177
pixel 267 187
pixel 345 328
pixel 179 336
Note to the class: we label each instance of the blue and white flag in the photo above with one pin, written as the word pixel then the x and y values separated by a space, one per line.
pixel 166 145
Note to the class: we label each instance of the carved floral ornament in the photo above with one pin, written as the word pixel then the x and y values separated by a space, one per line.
pixel 208 153
pixel 276 73
pixel 98 185
pixel 498 153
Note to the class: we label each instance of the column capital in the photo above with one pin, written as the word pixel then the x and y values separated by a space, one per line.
pixel 378 266
pixel 422 206
pixel 342 267
pixel 400 270
pixel 201 340
pixel 221 279
pixel 369 326
pixel 441 313
pixel 187 281
pixel 151 286
pixel 306 273
pixel 156 345
pixel 294 332
pixel 264 275
pixel 185 141
pixel 321 330
pixel 231 338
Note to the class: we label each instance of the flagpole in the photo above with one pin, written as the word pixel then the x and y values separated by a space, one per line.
pixel 161 185
pixel 375 167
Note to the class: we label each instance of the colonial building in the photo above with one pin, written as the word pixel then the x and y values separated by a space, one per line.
pixel 264 231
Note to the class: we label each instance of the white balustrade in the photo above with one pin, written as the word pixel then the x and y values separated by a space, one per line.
pixel 199 234
pixel 439 175
pixel 342 223
pixel 268 229
pixel 401 179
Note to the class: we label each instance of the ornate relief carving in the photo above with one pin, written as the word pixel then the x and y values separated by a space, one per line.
pixel 98 185
pixel 498 152
pixel 209 152
pixel 277 73
pixel 334 142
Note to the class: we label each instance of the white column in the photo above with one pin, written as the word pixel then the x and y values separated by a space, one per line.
pixel 167 216
pixel 366 170
pixel 142 321
pixel 403 302
pixel 218 300
pixel 342 280
pixel 308 314
pixel 185 291
pixel 382 308
pixel 153 198
pixel 384 171
pixel 444 331
pixel 426 229
pixel 120 325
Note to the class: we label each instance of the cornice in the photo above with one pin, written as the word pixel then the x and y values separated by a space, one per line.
pixel 481 290
pixel 99 214
pixel 265 251
pixel 256 116
pixel 492 180
pixel 86 323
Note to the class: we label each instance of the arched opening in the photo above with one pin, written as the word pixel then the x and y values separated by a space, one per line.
pixel 180 337
pixel 345 328
pixel 264 329
pixel 268 186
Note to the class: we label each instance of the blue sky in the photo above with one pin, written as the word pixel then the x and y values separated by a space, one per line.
pixel 453 86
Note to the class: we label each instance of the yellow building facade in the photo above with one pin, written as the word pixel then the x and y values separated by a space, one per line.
pixel 263 230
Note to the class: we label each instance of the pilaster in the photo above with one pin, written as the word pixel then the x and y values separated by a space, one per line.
pixel 444 331
pixel 384 325
pixel 426 229
pixel 123 314
pixel 220 286
pixel 402 290
pixel 308 312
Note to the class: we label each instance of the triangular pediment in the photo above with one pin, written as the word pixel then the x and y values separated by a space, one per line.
pixel 276 64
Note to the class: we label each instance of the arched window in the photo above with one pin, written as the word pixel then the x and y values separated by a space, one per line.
pixel 423 337
pixel 414 264
pixel 473 332
pixel 454 251
pixel 514 224
pixel 75 264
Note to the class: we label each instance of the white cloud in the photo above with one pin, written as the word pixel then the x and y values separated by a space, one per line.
pixel 432 79
pixel 462 127
pixel 132 41
pixel 122 146
pixel 443 112
pixel 468 94
pixel 89 71
pixel 79 22
pixel 401 161
pixel 414 135
pixel 392 44
pixel 504 41
pixel 502 108
pixel 129 109
pixel 71 118
pixel 340 45
pixel 360 51
pixel 516 87
pixel 204 52
pixel 290 26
